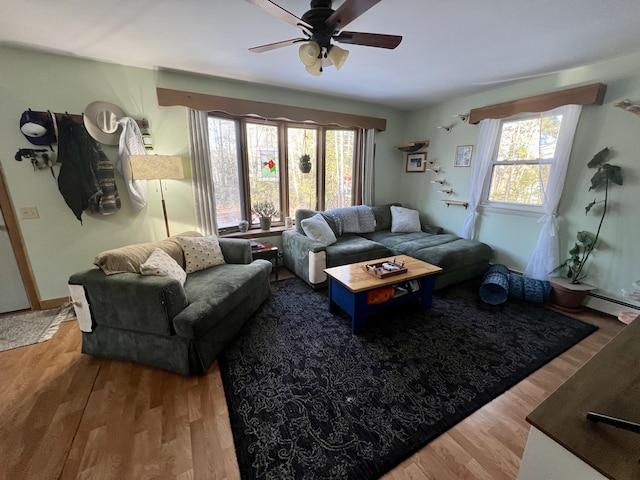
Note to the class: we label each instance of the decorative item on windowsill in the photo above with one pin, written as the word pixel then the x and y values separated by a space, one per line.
pixel 265 211
pixel 243 226
pixel 569 293
pixel 305 163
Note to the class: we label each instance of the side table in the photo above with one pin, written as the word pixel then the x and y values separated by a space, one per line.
pixel 266 251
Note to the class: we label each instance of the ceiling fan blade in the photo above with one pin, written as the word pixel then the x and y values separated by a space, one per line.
pixel 279 12
pixel 273 46
pixel 369 39
pixel 349 11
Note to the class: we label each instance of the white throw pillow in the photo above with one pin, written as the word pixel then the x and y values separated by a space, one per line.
pixel 201 252
pixel 160 263
pixel 318 229
pixel 405 220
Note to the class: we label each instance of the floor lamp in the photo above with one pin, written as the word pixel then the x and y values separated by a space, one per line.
pixel 157 167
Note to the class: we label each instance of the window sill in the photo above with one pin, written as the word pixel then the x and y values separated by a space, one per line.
pixel 511 210
pixel 258 233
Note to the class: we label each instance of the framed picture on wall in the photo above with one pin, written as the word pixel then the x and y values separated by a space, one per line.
pixel 463 156
pixel 416 162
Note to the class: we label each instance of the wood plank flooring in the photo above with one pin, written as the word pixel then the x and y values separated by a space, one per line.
pixel 64 415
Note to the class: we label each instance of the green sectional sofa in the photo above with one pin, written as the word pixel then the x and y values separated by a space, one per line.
pixel 459 258
pixel 157 321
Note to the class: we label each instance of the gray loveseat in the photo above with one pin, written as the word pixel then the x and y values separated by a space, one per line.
pixel 459 258
pixel 157 321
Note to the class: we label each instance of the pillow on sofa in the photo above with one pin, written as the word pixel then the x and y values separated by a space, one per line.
pixel 404 220
pixel 303 213
pixel 382 214
pixel 130 257
pixel 318 229
pixel 201 252
pixel 160 263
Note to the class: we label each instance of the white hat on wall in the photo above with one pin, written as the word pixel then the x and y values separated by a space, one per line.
pixel 101 121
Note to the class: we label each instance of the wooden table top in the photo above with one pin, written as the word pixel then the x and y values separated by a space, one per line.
pixel 355 278
pixel 609 384
pixel 267 246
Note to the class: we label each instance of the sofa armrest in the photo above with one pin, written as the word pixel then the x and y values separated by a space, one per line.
pixel 236 250
pixel 297 250
pixel 130 301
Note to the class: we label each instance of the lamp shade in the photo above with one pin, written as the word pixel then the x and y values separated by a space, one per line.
pixel 309 52
pixel 156 167
pixel 338 56
pixel 316 68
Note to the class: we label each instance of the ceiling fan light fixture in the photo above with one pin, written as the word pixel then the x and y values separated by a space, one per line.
pixel 338 56
pixel 316 68
pixel 309 53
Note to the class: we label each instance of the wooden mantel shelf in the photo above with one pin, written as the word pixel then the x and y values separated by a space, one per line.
pixel 455 202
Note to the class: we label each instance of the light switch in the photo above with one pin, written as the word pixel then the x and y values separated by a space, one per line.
pixel 28 213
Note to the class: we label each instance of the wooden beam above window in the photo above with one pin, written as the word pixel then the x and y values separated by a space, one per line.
pixel 271 111
pixel 586 95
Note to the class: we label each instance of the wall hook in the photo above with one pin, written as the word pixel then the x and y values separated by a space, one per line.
pixel 442 181
pixel 628 106
pixel 435 170
pixel 446 128
pixel 448 191
pixel 464 117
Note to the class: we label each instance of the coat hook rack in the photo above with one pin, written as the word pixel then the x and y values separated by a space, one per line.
pixel 441 181
pixel 464 117
pixel 446 128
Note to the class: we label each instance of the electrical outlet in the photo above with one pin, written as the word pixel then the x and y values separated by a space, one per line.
pixel 28 213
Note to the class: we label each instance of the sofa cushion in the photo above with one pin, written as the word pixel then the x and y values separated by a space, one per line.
pixel 303 213
pixel 352 249
pixel 445 250
pixel 382 214
pixel 318 229
pixel 404 220
pixel 201 252
pixel 215 292
pixel 130 257
pixel 160 263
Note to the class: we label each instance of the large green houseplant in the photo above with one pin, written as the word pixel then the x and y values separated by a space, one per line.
pixel 604 176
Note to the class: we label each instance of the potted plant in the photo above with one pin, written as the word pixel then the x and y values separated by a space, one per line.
pixel 305 163
pixel 265 211
pixel 569 293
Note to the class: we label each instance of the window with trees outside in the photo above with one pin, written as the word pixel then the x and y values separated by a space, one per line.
pixel 523 162
pixel 257 160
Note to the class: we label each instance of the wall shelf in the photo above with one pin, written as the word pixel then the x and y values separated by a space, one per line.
pixel 455 202
pixel 413 146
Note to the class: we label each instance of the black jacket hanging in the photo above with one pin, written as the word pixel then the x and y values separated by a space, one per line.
pixel 86 178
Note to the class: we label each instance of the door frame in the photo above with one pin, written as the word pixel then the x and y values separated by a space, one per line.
pixel 17 244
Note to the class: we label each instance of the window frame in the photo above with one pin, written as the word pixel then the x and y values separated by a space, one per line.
pixel 284 165
pixel 510 207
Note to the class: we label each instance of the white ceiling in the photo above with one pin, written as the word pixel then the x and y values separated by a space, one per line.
pixel 449 48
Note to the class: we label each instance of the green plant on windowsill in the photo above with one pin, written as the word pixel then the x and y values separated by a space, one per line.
pixel 605 175
pixel 265 211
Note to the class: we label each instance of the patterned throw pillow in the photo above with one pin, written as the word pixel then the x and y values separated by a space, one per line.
pixel 201 252
pixel 160 263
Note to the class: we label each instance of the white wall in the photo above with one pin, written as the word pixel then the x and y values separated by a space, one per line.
pixel 617 261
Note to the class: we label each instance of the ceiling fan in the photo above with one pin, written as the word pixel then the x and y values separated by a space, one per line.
pixel 320 25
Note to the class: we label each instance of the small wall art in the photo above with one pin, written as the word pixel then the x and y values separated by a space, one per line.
pixel 463 156
pixel 416 162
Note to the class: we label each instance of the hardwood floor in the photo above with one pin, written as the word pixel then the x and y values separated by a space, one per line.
pixel 67 415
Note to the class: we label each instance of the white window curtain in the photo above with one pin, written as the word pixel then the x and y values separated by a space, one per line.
pixel 368 166
pixel 546 255
pixel 487 140
pixel 203 188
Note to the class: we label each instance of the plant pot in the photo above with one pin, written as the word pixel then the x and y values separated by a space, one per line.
pixel 568 296
pixel 305 168
pixel 265 223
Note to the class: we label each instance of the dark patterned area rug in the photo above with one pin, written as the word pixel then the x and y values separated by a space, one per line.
pixel 309 400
